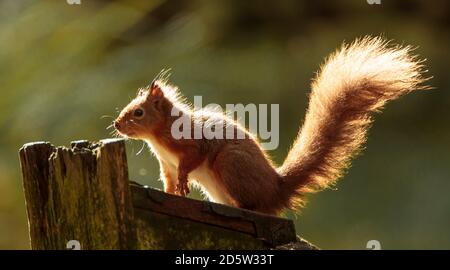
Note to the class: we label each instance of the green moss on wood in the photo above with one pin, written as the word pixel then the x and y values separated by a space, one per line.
pixel 158 231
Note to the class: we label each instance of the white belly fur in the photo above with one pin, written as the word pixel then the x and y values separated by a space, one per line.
pixel 207 181
pixel 164 154
pixel 202 175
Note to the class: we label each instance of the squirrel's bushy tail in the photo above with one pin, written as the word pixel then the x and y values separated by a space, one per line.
pixel 354 82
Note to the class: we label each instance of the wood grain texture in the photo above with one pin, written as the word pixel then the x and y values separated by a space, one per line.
pixel 79 193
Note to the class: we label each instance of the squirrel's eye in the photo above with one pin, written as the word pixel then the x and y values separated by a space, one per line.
pixel 138 113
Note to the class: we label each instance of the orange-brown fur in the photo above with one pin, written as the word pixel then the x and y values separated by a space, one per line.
pixel 354 82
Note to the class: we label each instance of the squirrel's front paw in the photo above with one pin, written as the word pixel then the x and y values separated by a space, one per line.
pixel 182 188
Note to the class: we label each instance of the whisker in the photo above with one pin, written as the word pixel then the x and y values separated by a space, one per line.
pixel 110 126
pixel 106 116
pixel 142 148
pixel 114 133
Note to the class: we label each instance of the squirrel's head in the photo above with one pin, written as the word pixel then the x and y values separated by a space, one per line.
pixel 145 113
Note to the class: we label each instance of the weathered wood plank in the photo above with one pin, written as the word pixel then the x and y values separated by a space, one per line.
pixel 159 231
pixel 270 230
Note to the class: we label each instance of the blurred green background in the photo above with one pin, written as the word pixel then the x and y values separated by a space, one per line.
pixel 63 67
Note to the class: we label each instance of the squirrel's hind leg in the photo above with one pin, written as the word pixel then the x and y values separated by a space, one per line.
pixel 247 177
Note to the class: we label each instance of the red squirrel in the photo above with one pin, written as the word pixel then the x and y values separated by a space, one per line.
pixel 353 83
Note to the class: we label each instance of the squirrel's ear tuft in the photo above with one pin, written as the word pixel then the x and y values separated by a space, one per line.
pixel 156 91
pixel 141 91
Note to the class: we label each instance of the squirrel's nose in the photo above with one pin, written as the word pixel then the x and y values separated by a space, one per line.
pixel 116 125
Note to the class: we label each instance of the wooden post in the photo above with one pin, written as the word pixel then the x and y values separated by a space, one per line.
pixel 79 193
pixel 81 197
